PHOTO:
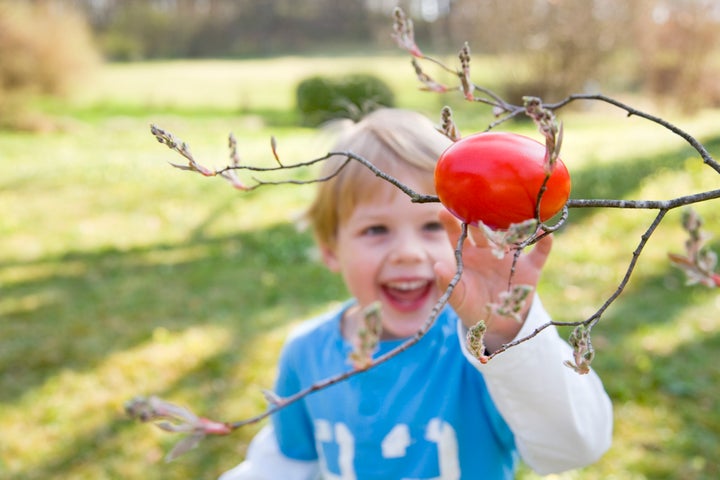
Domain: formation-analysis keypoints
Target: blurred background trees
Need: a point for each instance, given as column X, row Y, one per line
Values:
column 555, row 47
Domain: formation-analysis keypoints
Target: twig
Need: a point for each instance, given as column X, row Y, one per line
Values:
column 595, row 317
column 543, row 114
column 283, row 402
column 707, row 158
column 646, row 204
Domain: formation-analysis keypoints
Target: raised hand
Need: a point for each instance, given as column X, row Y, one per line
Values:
column 486, row 277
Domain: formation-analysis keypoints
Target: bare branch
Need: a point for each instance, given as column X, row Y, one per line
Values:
column 646, row 204
column 595, row 317
column 707, row 158
column 434, row 313
column 702, row 264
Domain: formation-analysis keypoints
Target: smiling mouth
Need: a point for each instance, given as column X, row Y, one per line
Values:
column 407, row 295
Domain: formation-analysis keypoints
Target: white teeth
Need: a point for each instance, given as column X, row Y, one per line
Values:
column 409, row 285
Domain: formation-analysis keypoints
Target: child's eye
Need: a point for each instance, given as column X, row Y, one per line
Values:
column 433, row 227
column 375, row 230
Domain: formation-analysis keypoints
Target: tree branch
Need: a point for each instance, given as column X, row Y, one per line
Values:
column 699, row 147
column 543, row 114
column 283, row 402
column 592, row 320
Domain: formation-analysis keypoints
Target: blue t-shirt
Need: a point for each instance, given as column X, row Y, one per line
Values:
column 424, row 414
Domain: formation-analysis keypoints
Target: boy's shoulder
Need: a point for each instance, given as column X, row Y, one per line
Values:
column 319, row 329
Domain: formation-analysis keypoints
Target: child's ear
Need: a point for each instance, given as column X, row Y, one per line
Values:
column 329, row 258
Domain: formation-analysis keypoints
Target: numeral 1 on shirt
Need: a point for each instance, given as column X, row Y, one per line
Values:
column 393, row 445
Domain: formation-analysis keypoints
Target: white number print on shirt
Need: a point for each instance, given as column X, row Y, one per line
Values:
column 394, row 445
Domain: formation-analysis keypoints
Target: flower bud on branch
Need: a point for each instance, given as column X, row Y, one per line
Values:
column 273, row 399
column 183, row 149
column 503, row 241
column 229, row 174
column 511, row 302
column 699, row 262
column 475, row 343
column 465, row 80
column 429, row 84
column 368, row 337
column 550, row 128
column 510, row 305
column 173, row 418
column 273, row 147
column 448, row 126
column 404, row 34
column 583, row 352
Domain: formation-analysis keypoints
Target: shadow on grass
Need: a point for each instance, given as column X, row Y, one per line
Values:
column 686, row 384
column 80, row 308
column 89, row 305
column 107, row 449
column 616, row 180
column 683, row 381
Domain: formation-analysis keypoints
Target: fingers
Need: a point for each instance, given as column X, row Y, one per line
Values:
column 540, row 252
column 451, row 225
column 536, row 257
column 453, row 228
column 477, row 237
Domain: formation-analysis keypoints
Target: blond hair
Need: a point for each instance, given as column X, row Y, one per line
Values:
column 398, row 142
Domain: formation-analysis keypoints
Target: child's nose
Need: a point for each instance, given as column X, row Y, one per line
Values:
column 407, row 249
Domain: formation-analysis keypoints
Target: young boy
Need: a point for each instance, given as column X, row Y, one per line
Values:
column 433, row 411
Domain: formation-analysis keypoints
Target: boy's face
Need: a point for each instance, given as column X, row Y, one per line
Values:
column 385, row 250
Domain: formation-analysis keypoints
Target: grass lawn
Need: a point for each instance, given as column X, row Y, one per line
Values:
column 121, row 276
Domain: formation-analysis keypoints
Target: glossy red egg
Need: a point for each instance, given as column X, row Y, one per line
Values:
column 495, row 177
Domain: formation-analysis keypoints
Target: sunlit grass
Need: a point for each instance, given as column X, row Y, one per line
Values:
column 263, row 85
column 71, row 400
column 120, row 275
column 656, row 344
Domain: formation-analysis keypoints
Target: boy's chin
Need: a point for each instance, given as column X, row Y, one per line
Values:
column 404, row 326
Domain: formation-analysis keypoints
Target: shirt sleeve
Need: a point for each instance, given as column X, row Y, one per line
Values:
column 561, row 420
column 283, row 449
column 292, row 424
column 264, row 461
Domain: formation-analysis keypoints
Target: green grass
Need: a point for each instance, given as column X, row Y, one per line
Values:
column 212, row 87
column 122, row 276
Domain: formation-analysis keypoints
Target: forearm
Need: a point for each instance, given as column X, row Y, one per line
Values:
column 561, row 420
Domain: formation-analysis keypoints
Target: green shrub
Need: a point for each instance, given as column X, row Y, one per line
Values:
column 321, row 98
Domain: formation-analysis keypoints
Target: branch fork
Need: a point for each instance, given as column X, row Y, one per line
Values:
column 698, row 262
